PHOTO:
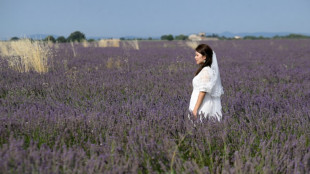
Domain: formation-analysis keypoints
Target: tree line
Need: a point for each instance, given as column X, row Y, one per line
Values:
column 290, row 36
column 78, row 36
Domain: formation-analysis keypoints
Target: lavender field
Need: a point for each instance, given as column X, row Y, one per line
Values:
column 122, row 110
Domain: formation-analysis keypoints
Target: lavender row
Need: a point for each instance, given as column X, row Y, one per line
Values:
column 119, row 110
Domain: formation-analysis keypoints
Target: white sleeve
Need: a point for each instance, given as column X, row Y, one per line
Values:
column 206, row 79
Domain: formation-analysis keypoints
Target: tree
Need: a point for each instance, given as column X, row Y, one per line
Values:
column 76, row 36
column 181, row 37
column 254, row 37
column 291, row 36
column 249, row 37
column 61, row 39
column 50, row 38
column 213, row 35
column 296, row 36
column 167, row 37
column 14, row 38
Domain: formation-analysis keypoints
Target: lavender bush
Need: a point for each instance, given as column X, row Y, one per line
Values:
column 120, row 110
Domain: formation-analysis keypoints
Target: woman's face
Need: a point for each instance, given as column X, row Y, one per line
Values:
column 199, row 58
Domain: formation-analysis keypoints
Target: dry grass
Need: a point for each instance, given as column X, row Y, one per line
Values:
column 117, row 64
column 50, row 43
column 56, row 45
column 108, row 43
column 192, row 44
column 114, row 63
column 73, row 49
column 109, row 63
column 131, row 44
column 4, row 48
column 85, row 43
column 25, row 55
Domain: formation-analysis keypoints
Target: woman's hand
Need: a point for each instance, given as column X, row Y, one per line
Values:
column 198, row 103
column 195, row 114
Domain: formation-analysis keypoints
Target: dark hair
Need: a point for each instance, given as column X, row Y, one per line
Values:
column 204, row 50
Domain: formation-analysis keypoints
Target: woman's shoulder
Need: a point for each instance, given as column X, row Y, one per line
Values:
column 206, row 68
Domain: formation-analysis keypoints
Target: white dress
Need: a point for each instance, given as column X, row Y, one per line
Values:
column 210, row 106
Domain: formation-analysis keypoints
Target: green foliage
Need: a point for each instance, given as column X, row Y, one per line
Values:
column 91, row 40
column 181, row 37
column 213, row 35
column 254, row 37
column 76, row 36
column 14, row 38
column 50, row 38
column 167, row 37
column 61, row 39
column 222, row 38
column 292, row 36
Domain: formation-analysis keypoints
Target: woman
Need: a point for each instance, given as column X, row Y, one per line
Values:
column 207, row 87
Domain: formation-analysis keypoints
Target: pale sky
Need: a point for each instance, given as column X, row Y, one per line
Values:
column 143, row 18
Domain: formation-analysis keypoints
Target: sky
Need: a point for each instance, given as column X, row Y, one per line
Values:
column 150, row 18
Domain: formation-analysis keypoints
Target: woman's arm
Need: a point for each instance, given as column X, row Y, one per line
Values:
column 198, row 103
